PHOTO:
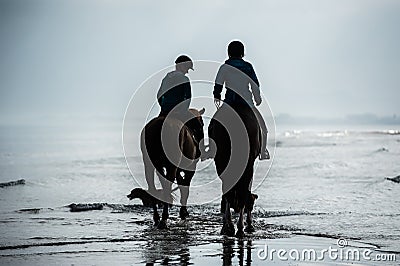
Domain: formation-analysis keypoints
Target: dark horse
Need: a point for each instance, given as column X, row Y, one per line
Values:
column 170, row 147
column 236, row 134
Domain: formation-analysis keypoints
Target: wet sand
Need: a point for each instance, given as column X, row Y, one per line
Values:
column 222, row 251
column 124, row 235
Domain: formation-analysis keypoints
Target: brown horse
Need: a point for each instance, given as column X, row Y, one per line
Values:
column 236, row 134
column 170, row 147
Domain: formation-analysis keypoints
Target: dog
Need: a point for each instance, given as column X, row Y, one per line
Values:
column 147, row 199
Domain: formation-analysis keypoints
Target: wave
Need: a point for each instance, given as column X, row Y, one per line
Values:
column 304, row 144
column 34, row 210
column 383, row 149
column 386, row 132
column 335, row 133
column 272, row 214
column 107, row 160
column 63, row 243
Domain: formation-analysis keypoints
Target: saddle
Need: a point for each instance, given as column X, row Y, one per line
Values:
column 185, row 116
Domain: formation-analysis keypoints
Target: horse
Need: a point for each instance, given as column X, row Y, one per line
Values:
column 170, row 147
column 237, row 138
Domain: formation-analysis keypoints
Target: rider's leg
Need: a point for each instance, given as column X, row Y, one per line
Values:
column 264, row 154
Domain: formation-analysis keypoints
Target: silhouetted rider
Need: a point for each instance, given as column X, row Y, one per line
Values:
column 241, row 85
column 175, row 90
column 175, row 95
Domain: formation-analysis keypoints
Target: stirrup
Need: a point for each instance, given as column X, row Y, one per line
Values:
column 206, row 154
column 264, row 155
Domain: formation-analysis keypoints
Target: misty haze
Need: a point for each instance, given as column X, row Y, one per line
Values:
column 79, row 80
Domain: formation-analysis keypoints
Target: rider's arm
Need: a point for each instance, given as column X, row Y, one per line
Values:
column 160, row 94
column 187, row 93
column 219, row 83
column 255, row 86
column 217, row 91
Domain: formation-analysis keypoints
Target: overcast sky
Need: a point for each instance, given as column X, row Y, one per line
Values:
column 313, row 58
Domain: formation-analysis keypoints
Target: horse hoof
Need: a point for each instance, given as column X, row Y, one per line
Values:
column 162, row 225
column 183, row 213
column 228, row 230
column 240, row 234
column 249, row 229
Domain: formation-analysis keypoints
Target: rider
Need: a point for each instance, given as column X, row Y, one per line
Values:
column 237, row 75
column 175, row 94
column 175, row 90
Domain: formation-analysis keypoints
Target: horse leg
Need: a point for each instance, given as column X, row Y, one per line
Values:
column 149, row 174
column 249, row 220
column 250, row 199
column 227, row 228
column 156, row 216
column 167, row 187
column 163, row 223
column 184, row 184
column 240, row 224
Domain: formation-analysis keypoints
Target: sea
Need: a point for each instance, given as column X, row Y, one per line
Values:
column 325, row 181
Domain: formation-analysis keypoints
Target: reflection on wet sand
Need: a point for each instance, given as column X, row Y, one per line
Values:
column 183, row 241
column 230, row 251
column 165, row 247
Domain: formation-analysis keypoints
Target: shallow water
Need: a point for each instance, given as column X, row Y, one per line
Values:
column 322, row 183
